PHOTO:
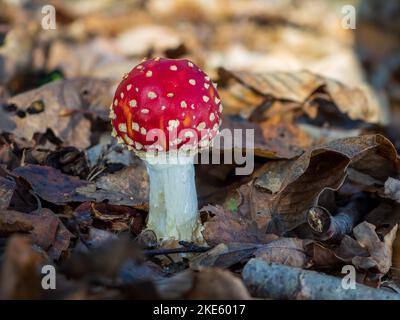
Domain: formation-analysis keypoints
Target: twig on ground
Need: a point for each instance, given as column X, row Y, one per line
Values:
column 187, row 248
column 269, row 280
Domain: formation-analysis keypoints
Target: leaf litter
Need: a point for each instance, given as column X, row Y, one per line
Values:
column 324, row 136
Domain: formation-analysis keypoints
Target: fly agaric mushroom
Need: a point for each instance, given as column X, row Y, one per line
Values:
column 165, row 110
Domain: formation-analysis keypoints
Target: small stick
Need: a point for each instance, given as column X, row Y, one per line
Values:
column 275, row 281
column 187, row 249
column 329, row 227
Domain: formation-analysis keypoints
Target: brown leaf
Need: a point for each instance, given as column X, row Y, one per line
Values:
column 226, row 227
column 64, row 103
column 322, row 256
column 208, row 258
column 131, row 183
column 380, row 252
column 21, row 200
column 7, row 188
column 224, row 255
column 299, row 86
column 282, row 140
column 58, row 188
column 20, row 274
column 284, row 86
column 61, row 242
column 12, row 221
column 323, row 167
column 52, row 185
column 41, row 226
column 210, row 283
column 349, row 248
column 118, row 218
column 287, row 251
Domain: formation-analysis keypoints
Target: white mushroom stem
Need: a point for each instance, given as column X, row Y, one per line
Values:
column 173, row 200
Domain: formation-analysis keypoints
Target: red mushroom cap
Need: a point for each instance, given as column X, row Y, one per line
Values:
column 172, row 97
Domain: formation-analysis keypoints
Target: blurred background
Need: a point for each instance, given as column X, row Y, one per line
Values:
column 105, row 38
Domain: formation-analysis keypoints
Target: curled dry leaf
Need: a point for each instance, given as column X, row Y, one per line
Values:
column 325, row 167
column 380, row 252
column 367, row 251
column 299, row 86
column 118, row 218
column 208, row 258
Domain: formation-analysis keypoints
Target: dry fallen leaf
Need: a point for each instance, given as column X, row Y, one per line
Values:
column 287, row 251
column 271, row 140
column 325, row 167
column 60, row 106
column 300, row 86
column 227, row 227
column 42, row 226
column 380, row 252
column 58, row 188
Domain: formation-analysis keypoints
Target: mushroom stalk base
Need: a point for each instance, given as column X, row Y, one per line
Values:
column 173, row 202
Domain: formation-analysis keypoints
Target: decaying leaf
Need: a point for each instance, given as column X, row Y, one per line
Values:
column 42, row 227
column 227, row 227
column 380, row 252
column 131, row 182
column 62, row 108
column 324, row 167
column 288, row 251
column 315, row 115
column 53, row 186
column 300, row 86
